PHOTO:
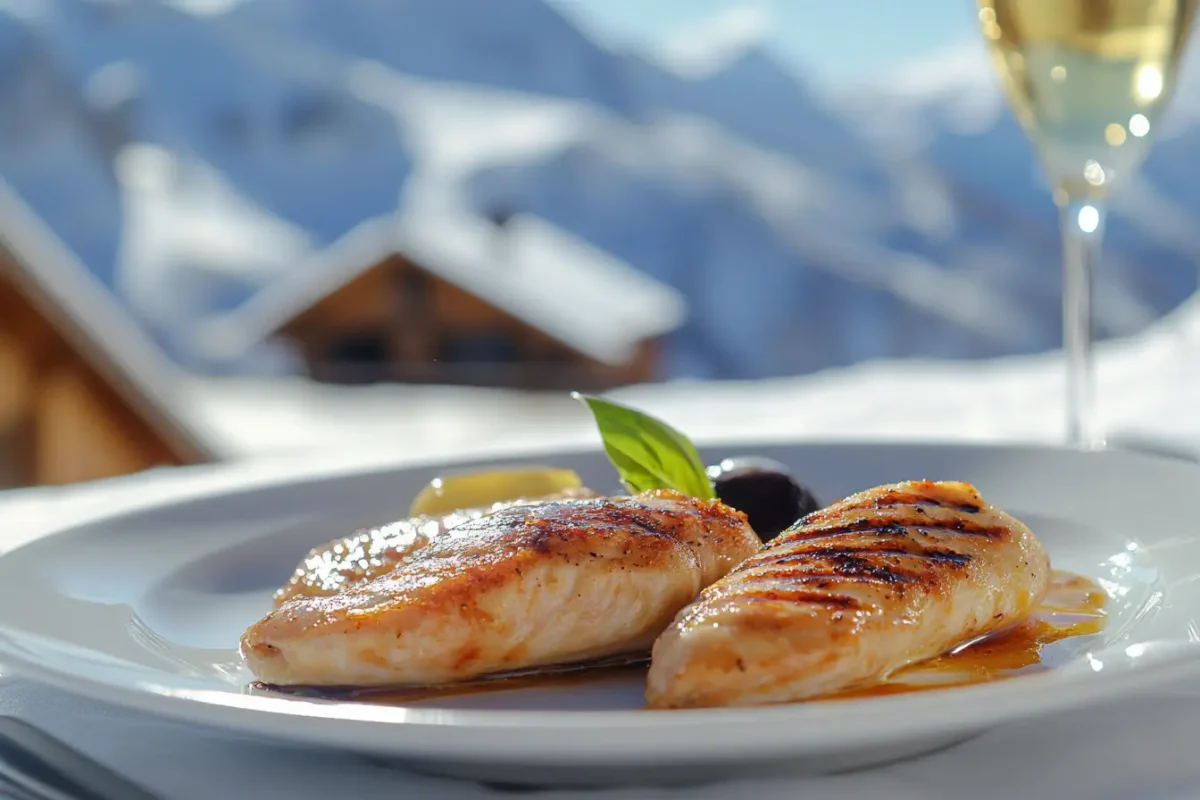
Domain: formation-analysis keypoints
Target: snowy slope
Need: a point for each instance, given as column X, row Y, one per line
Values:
column 772, row 253
column 753, row 238
column 514, row 44
column 49, row 151
column 757, row 99
column 944, row 123
column 280, row 126
column 1173, row 167
column 773, row 256
column 251, row 134
column 192, row 244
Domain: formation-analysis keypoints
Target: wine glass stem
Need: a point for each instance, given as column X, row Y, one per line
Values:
column 1082, row 233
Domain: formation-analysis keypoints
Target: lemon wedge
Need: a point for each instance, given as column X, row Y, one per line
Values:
column 449, row 493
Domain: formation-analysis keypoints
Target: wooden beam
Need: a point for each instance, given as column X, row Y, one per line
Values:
column 16, row 380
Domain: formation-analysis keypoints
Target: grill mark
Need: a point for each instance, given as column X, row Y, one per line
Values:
column 857, row 553
column 892, row 527
column 665, row 523
column 596, row 518
column 870, row 564
column 803, row 596
column 890, row 498
column 852, row 552
column 852, row 566
column 876, row 526
column 804, row 557
column 965, row 528
column 904, row 499
column 877, row 575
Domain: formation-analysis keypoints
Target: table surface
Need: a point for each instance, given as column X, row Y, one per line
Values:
column 1135, row 749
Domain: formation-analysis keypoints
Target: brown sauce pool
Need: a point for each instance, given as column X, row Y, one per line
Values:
column 1073, row 607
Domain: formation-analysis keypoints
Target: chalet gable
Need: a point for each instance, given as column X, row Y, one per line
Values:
column 550, row 280
column 71, row 356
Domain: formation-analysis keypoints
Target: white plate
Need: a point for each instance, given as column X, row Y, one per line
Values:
column 144, row 609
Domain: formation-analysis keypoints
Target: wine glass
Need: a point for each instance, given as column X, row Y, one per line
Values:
column 1088, row 80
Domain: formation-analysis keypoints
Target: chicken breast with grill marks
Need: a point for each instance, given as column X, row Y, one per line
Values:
column 365, row 555
column 885, row 578
column 527, row 586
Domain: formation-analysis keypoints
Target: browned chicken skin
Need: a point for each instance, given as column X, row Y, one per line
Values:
column 367, row 554
column 882, row 579
column 527, row 586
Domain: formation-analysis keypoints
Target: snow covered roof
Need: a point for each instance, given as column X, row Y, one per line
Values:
column 551, row 280
column 91, row 319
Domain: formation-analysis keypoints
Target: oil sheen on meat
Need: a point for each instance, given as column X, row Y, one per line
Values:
column 365, row 555
column 882, row 579
column 527, row 586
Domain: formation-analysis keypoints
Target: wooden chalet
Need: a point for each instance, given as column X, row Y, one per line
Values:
column 84, row 394
column 452, row 297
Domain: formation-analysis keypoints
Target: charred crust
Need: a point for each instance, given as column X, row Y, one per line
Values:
column 890, row 527
column 854, row 555
column 803, row 596
column 879, row 527
column 900, row 498
column 838, row 573
column 950, row 556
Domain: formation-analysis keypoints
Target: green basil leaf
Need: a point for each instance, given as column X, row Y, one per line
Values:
column 647, row 452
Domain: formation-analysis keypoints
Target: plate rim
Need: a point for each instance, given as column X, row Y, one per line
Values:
column 626, row 733
column 924, row 712
column 218, row 478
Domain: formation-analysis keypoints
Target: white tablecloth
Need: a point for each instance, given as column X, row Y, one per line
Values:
column 1143, row 749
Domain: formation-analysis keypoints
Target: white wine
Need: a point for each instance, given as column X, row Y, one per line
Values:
column 1088, row 79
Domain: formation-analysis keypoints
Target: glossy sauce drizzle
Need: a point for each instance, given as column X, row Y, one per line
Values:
column 1073, row 608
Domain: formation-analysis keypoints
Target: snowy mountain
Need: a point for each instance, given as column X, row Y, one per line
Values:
column 1172, row 166
column 276, row 120
column 514, row 44
column 945, row 125
column 773, row 258
column 52, row 150
column 192, row 159
column 278, row 127
column 757, row 99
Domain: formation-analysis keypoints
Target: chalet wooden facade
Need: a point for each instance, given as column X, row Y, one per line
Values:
column 466, row 301
column 396, row 322
column 77, row 400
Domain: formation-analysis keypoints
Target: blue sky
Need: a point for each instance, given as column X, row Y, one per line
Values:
column 832, row 38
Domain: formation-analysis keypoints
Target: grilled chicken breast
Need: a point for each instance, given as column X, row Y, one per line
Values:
column 367, row 554
column 882, row 579
column 524, row 587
